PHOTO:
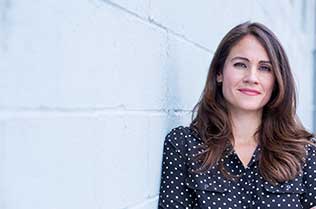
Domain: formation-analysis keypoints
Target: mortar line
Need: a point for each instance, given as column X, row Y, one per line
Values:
column 152, row 21
column 7, row 114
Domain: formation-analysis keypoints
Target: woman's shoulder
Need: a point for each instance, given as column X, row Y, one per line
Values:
column 311, row 146
column 183, row 138
column 310, row 152
column 182, row 134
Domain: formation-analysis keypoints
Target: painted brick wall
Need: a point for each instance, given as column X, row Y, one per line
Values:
column 89, row 89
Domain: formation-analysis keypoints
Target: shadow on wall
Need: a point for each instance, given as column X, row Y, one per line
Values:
column 4, row 10
column 173, row 96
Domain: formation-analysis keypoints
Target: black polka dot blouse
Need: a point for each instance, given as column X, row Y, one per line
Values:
column 180, row 188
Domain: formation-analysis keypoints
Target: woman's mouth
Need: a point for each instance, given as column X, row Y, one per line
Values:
column 249, row 92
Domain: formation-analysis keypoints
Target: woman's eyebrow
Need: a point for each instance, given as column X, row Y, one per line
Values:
column 265, row 61
column 247, row 60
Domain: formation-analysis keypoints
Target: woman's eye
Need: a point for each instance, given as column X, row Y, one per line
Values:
column 239, row 64
column 265, row 68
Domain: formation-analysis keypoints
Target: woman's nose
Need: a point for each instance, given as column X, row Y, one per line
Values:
column 251, row 77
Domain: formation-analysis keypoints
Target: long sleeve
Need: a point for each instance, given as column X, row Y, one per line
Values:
column 308, row 199
column 173, row 192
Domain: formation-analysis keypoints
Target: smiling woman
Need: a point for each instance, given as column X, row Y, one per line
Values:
column 245, row 147
column 247, row 79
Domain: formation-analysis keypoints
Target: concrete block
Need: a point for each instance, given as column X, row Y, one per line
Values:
column 99, row 57
column 2, row 159
column 147, row 204
column 122, row 174
column 50, row 163
column 158, row 127
column 156, row 133
column 128, row 58
column 74, row 163
column 190, row 18
column 139, row 7
column 187, row 67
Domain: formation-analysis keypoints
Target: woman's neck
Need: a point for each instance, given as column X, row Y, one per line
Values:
column 244, row 125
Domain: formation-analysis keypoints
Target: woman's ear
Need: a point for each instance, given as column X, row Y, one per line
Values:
column 219, row 77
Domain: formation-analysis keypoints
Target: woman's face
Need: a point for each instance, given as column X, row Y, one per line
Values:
column 247, row 78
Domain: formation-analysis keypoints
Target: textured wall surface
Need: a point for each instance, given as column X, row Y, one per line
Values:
column 89, row 89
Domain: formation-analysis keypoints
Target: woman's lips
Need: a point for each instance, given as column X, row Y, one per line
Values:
column 249, row 92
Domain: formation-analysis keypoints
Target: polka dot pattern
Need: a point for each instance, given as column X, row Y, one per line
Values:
column 181, row 188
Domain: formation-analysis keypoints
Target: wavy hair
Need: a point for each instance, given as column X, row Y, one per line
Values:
column 281, row 135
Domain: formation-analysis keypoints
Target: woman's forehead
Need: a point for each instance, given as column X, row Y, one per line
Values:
column 249, row 48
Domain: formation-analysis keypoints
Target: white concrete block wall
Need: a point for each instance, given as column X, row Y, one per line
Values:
column 90, row 88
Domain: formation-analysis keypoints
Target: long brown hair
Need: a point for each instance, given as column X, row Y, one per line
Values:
column 281, row 135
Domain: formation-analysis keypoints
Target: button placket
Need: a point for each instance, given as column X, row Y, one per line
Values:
column 249, row 175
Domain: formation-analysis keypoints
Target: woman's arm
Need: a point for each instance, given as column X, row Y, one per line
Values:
column 173, row 192
column 308, row 199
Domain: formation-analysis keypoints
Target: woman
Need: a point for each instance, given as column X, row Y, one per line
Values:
column 245, row 147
